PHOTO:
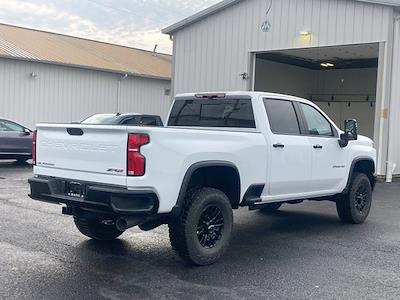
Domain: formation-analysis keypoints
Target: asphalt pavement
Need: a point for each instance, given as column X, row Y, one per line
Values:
column 300, row 252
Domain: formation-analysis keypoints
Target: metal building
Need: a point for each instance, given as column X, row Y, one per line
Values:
column 47, row 77
column 342, row 54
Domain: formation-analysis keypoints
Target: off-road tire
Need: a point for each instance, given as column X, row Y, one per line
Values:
column 271, row 207
column 97, row 230
column 184, row 230
column 350, row 208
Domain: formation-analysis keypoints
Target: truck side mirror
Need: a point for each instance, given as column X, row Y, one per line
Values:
column 350, row 133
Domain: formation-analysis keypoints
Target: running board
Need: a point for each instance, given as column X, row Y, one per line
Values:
column 250, row 202
column 258, row 206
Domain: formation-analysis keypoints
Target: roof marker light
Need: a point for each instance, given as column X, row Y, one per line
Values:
column 211, row 95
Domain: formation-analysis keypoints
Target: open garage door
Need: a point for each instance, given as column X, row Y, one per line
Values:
column 342, row 80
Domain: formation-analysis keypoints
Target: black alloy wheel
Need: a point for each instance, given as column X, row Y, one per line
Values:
column 210, row 227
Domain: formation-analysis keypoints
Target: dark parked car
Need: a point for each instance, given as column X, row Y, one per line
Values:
column 15, row 141
column 124, row 119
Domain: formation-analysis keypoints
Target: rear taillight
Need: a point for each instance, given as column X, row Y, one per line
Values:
column 34, row 138
column 136, row 161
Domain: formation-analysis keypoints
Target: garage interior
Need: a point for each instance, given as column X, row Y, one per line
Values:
column 341, row 80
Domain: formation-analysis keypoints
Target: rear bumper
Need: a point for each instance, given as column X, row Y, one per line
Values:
column 104, row 198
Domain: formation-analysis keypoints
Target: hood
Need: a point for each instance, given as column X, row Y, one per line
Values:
column 363, row 141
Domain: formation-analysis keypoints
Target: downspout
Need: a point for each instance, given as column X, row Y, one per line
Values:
column 391, row 165
column 119, row 91
column 172, row 39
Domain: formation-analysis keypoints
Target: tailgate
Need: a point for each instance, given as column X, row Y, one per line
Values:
column 85, row 149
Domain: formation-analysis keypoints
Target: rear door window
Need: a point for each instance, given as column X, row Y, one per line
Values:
column 131, row 121
column 101, row 119
column 148, row 121
column 282, row 117
column 213, row 113
column 141, row 121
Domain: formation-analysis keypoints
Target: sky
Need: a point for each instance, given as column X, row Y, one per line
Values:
column 135, row 23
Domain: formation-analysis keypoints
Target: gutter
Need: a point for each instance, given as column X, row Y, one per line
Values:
column 391, row 165
column 55, row 63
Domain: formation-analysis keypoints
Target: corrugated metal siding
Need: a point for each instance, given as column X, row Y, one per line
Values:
column 65, row 94
column 145, row 96
column 211, row 53
column 394, row 137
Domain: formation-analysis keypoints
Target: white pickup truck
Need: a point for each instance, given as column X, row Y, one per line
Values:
column 218, row 152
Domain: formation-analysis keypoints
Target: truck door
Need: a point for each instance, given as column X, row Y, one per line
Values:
column 328, row 158
column 289, row 167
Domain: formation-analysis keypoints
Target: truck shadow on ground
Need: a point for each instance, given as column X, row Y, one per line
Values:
column 123, row 269
column 263, row 232
column 12, row 165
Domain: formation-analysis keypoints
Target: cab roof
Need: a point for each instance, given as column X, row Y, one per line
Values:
column 243, row 93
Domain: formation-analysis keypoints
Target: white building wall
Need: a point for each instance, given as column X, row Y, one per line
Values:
column 302, row 82
column 283, row 78
column 211, row 53
column 394, row 116
column 145, row 96
column 66, row 94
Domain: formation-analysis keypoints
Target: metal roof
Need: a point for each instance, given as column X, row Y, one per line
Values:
column 227, row 3
column 34, row 45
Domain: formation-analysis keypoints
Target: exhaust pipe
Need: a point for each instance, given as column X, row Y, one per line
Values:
column 125, row 223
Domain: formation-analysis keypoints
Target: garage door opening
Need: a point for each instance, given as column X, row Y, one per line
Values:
column 341, row 80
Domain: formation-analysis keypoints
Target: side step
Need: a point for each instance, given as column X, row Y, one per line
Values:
column 256, row 206
column 251, row 202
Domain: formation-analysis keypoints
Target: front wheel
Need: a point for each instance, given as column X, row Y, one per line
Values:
column 95, row 229
column 202, row 233
column 354, row 207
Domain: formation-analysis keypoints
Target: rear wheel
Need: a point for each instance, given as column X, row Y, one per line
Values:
column 95, row 229
column 354, row 207
column 271, row 207
column 202, row 233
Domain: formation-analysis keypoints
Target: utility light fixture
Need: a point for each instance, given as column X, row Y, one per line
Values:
column 327, row 65
column 305, row 33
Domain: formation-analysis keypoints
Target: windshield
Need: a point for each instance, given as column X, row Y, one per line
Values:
column 101, row 119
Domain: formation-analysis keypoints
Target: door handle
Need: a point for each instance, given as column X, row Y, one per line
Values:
column 318, row 147
column 279, row 145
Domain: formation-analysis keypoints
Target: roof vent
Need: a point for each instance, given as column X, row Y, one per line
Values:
column 155, row 50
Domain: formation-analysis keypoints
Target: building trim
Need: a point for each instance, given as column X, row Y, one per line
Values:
column 199, row 16
column 48, row 62
column 227, row 3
